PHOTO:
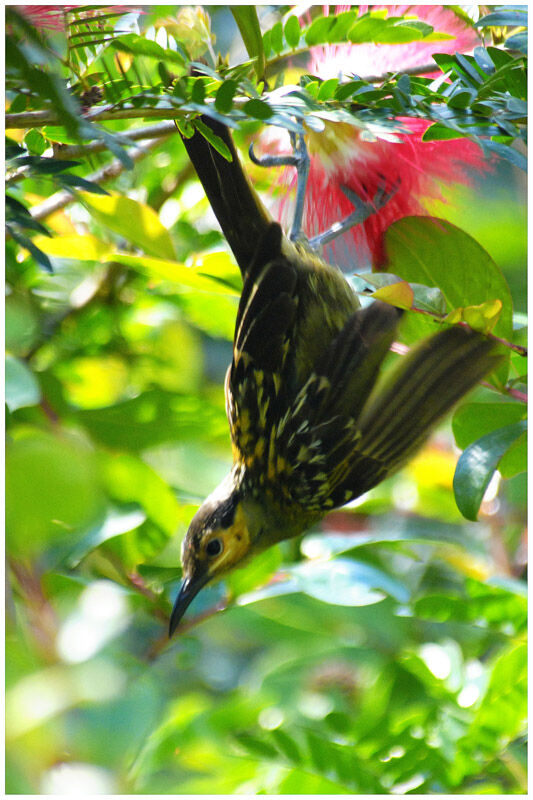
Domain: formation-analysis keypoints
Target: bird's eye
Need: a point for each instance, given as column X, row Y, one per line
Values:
column 214, row 547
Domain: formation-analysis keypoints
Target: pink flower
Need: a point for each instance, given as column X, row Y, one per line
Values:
column 52, row 17
column 44, row 17
column 342, row 156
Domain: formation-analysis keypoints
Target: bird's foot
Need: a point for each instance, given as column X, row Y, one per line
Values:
column 300, row 160
column 363, row 210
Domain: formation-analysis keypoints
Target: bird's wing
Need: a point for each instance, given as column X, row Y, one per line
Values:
column 319, row 433
column 354, row 452
column 289, row 426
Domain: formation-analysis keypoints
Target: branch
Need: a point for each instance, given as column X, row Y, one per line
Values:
column 67, row 151
column 36, row 119
column 159, row 131
column 518, row 348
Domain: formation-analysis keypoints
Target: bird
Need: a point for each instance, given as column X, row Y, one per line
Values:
column 313, row 421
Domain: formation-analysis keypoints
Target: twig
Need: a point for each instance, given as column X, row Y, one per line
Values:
column 137, row 583
column 41, row 616
column 518, row 348
column 420, row 70
column 158, row 131
column 36, row 119
column 516, row 393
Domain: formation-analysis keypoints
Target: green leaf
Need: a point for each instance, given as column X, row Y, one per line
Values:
column 26, row 242
column 317, row 32
column 214, row 140
column 136, row 222
column 477, row 465
column 317, row 752
column 113, row 142
column 257, row 573
column 403, row 32
column 224, row 97
column 21, row 386
column 327, row 89
column 473, row 420
column 198, row 90
column 503, row 710
column 435, row 253
column 276, row 37
column 257, row 109
column 439, row 132
column 292, row 32
column 286, row 745
column 196, row 278
column 509, row 153
column 343, row 23
column 518, row 41
column 116, row 523
column 514, row 460
column 343, row 582
column 154, row 417
column 23, row 328
column 250, row 30
column 52, row 491
column 82, row 247
column 257, row 747
column 366, row 29
column 35, row 141
column 45, row 166
column 484, row 60
column 140, row 46
column 129, row 480
column 503, row 19
column 81, row 183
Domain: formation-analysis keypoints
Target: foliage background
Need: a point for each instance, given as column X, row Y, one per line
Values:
column 383, row 653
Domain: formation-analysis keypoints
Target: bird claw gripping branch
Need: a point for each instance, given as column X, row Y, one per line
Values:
column 301, row 161
column 313, row 424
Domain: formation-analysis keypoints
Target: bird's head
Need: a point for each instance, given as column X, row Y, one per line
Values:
column 219, row 538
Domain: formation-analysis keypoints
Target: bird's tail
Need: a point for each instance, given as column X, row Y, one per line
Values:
column 239, row 211
column 402, row 411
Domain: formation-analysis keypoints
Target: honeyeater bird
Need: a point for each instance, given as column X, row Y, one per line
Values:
column 311, row 425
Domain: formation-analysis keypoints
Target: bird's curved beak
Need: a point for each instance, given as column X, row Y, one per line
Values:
column 188, row 591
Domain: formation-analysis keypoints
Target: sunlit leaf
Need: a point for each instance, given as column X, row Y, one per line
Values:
column 173, row 271
column 136, row 222
column 397, row 294
column 83, row 247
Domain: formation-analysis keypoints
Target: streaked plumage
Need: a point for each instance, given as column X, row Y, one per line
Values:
column 310, row 424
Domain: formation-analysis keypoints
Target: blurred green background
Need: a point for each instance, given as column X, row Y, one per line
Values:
column 387, row 655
